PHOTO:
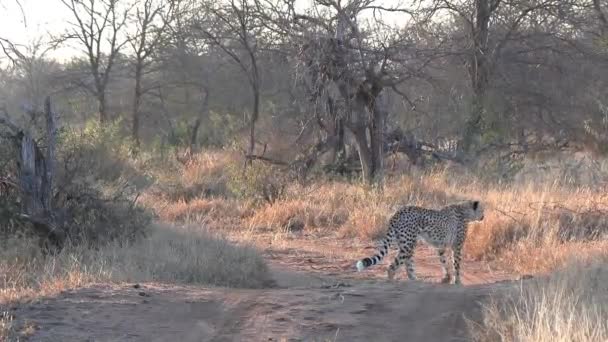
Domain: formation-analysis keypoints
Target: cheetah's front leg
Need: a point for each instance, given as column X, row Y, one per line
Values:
column 409, row 266
column 457, row 249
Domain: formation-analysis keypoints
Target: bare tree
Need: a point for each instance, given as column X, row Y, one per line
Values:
column 186, row 65
column 8, row 48
column 235, row 28
column 490, row 27
column 35, row 73
column 97, row 27
column 151, row 19
column 349, row 65
column 6, row 45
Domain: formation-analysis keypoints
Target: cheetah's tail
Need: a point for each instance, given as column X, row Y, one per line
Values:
column 382, row 251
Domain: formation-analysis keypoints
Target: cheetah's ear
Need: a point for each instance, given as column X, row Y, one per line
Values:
column 475, row 205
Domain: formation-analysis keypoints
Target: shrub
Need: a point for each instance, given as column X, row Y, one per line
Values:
column 95, row 188
column 258, row 181
column 97, row 151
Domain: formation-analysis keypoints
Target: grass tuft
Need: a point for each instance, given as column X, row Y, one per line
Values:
column 568, row 306
column 168, row 254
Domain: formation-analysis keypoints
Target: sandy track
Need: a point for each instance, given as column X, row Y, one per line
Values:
column 316, row 299
column 313, row 308
column 363, row 312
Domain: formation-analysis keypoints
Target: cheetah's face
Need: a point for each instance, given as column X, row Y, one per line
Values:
column 474, row 211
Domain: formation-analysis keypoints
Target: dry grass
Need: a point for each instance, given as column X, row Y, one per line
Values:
column 528, row 227
column 204, row 175
column 12, row 331
column 531, row 227
column 568, row 306
column 295, row 215
column 167, row 254
column 205, row 211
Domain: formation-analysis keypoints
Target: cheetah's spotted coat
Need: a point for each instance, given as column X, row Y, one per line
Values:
column 444, row 228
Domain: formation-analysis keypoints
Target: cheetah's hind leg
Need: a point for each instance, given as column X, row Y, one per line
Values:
column 444, row 266
column 404, row 257
column 392, row 269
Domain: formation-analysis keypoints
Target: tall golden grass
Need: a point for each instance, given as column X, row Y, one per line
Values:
column 568, row 306
column 528, row 227
column 167, row 254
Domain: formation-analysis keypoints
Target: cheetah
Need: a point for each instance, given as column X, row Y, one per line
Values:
column 442, row 229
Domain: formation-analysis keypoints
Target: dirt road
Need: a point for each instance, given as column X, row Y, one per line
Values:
column 306, row 306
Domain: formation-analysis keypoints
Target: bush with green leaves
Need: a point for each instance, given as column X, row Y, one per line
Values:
column 258, row 181
column 95, row 186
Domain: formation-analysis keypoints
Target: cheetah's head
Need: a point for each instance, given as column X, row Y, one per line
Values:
column 473, row 211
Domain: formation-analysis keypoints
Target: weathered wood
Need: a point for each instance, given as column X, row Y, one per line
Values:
column 32, row 174
column 35, row 176
column 51, row 140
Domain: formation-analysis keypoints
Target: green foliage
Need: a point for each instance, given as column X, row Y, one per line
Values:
column 10, row 221
column 258, row 181
column 102, row 152
column 216, row 130
column 97, row 138
column 97, row 184
column 180, row 135
column 10, row 205
column 161, row 149
column 602, row 42
column 497, row 125
column 96, row 218
column 95, row 187
column 219, row 129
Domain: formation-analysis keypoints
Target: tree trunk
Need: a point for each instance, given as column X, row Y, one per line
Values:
column 340, row 147
column 336, row 131
column 365, row 154
column 32, row 177
column 474, row 124
column 479, row 71
column 101, row 98
column 197, row 123
column 379, row 112
column 136, row 104
column 254, row 118
column 51, row 134
column 36, row 178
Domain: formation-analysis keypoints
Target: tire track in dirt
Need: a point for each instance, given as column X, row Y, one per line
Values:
column 327, row 309
column 316, row 299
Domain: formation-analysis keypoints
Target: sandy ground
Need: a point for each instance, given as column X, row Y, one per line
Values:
column 315, row 300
